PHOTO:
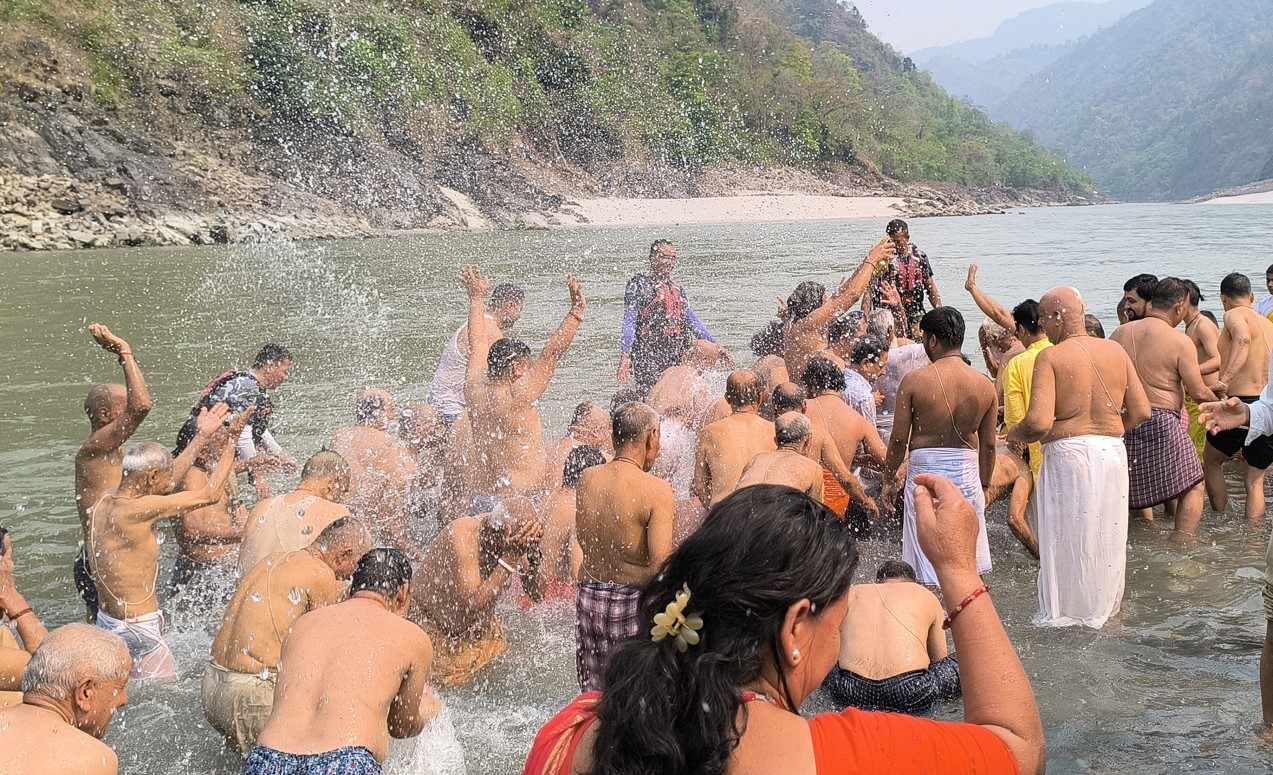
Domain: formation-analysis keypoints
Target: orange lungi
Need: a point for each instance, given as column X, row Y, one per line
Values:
column 833, row 495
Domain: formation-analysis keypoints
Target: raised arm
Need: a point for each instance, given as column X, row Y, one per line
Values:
column 112, row 436
column 156, row 508
column 1041, row 415
column 15, row 606
column 476, row 286
column 850, row 290
column 199, row 525
column 997, row 693
column 1240, row 337
column 206, row 424
column 992, row 309
column 531, row 387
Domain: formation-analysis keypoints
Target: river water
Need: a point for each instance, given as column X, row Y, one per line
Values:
column 1173, row 688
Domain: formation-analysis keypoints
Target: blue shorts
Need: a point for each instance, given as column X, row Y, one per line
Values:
column 351, row 760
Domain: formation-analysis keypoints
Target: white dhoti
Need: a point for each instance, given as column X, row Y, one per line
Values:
column 961, row 467
column 1082, row 532
column 144, row 637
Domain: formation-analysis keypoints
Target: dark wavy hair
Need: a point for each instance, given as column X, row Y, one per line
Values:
column 806, row 298
column 758, row 552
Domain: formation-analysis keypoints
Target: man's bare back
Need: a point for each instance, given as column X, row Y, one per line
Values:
column 681, row 393
column 382, row 474
column 724, row 449
column 1245, row 350
column 1164, row 358
column 561, row 553
column 624, row 522
column 786, row 467
column 1087, row 382
column 834, row 420
column 891, row 628
column 286, row 523
column 946, row 404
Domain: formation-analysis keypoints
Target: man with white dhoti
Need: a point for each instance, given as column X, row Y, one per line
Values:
column 946, row 414
column 1085, row 394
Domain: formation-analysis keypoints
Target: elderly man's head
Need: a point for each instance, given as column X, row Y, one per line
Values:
column 83, row 671
column 147, row 468
column 105, row 403
column 590, row 424
column 374, row 408
column 1061, row 313
column 793, row 430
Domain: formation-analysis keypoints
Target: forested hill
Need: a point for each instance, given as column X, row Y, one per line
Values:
column 370, row 104
column 1174, row 101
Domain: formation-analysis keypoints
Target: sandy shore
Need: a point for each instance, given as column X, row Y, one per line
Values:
column 1264, row 198
column 747, row 208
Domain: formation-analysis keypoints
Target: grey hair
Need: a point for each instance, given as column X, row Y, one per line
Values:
column 147, row 456
column 71, row 655
column 994, row 332
column 791, row 428
column 881, row 325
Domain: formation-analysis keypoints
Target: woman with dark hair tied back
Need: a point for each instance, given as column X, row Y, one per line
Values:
column 742, row 624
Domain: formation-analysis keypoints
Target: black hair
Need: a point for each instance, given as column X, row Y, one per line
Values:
column 744, row 388
column 621, row 397
column 506, row 293
column 658, row 243
column 868, row 348
column 1026, row 315
column 768, row 340
column 1093, row 326
column 1209, row 315
column 663, row 711
column 503, row 354
column 581, row 457
column 846, row 327
column 895, row 569
column 271, row 355
column 896, row 226
column 806, row 298
column 383, row 569
column 581, row 411
column 787, row 397
column 822, row 374
column 1168, row 292
column 1143, row 284
column 946, row 324
column 631, row 421
column 1195, row 293
column 1235, row 286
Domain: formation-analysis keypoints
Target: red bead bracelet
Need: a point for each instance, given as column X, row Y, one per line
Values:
column 967, row 601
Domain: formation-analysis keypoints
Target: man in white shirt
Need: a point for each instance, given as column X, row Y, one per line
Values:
column 1265, row 306
column 446, row 391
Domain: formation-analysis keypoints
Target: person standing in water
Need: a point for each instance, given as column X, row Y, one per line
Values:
column 909, row 274
column 657, row 321
column 790, row 464
column 446, row 391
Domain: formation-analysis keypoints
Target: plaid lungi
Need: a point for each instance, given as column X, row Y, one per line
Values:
column 605, row 615
column 1162, row 462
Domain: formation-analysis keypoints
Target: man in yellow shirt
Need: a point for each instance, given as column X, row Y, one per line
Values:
column 1019, row 373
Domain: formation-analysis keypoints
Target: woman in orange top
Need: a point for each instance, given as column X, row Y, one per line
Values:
column 745, row 620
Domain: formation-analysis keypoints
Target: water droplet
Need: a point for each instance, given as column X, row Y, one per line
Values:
column 160, row 538
column 294, row 596
column 256, row 597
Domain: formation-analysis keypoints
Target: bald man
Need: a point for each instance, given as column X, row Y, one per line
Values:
column 238, row 683
column 382, row 471
column 726, row 446
column 465, row 572
column 292, row 521
column 1085, row 394
column 75, row 682
column 624, row 520
column 682, row 392
column 822, row 449
column 789, row 464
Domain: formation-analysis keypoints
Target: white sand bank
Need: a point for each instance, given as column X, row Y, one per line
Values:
column 1264, row 198
column 758, row 208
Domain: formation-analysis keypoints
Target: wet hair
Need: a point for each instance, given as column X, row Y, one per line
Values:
column 868, row 348
column 744, row 388
column 324, row 464
column 146, row 456
column 582, row 411
column 807, row 297
column 896, row 226
column 1143, row 284
column 822, row 374
column 631, row 422
column 658, row 243
column 791, row 428
column 895, row 569
column 1195, row 293
column 768, row 340
column 881, row 325
column 71, row 655
column 272, row 355
column 1026, row 315
column 383, row 569
column 505, row 294
column 1093, row 326
column 372, row 404
column 993, row 332
column 1235, row 286
column 946, row 324
column 621, row 397
column 1168, row 292
column 788, row 397
column 344, row 532
column 846, row 327
column 580, row 458
column 503, row 354
column 1209, row 315
column 671, row 712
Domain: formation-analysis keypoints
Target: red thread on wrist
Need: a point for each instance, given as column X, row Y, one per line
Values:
column 22, row 613
column 967, row 601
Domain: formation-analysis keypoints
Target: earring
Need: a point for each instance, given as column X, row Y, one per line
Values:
column 795, row 655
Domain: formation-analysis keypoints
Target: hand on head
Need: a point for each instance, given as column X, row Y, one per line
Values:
column 474, row 282
column 106, row 339
column 946, row 525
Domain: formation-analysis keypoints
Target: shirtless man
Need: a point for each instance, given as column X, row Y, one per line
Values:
column 446, row 391
column 1085, row 394
column 114, row 414
column 351, row 676
column 123, row 547
column 682, row 392
column 589, row 427
column 893, row 654
column 420, row 428
column 788, row 465
column 238, row 683
column 1162, row 462
column 1246, row 346
column 208, row 538
column 559, row 547
column 292, row 521
column 727, row 445
column 624, row 523
column 1205, row 335
column 16, row 613
column 382, row 472
column 848, row 430
column 75, row 682
column 465, row 572
column 810, row 313
column 503, row 387
column 789, row 397
column 947, row 414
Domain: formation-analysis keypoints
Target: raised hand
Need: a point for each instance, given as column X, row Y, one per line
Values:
column 239, row 423
column 946, row 524
column 109, row 342
column 846, row 286
column 889, row 295
column 971, row 282
column 577, row 300
column 209, row 420
column 475, row 283
column 1224, row 415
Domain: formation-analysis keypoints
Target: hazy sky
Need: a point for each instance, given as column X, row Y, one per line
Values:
column 909, row 25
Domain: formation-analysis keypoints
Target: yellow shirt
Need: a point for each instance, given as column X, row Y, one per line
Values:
column 1018, row 376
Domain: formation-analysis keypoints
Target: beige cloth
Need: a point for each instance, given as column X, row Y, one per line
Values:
column 237, row 704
